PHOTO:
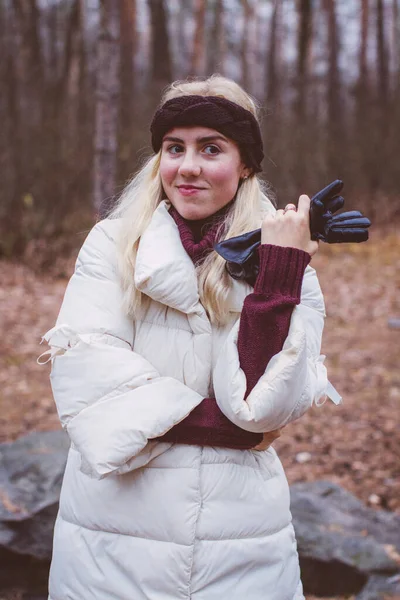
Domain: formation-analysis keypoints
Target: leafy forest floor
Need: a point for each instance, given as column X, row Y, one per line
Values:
column 356, row 444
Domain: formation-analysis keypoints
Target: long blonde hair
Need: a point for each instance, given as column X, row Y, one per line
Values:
column 143, row 194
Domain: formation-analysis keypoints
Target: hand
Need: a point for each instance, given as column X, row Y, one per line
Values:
column 290, row 227
column 268, row 438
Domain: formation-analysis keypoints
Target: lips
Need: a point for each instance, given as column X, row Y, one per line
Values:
column 189, row 187
column 189, row 190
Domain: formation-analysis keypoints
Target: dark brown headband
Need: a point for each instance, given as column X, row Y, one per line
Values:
column 225, row 116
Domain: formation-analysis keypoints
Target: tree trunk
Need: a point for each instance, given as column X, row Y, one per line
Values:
column 363, row 106
column 272, row 80
column 107, row 100
column 301, row 161
column 334, row 128
column 126, row 121
column 71, row 81
column 396, row 55
column 197, row 61
column 161, row 67
column 216, row 45
column 382, row 56
column 303, row 54
column 363, row 68
column 247, row 15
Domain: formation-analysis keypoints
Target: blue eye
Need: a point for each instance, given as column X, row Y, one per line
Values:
column 175, row 149
column 211, row 149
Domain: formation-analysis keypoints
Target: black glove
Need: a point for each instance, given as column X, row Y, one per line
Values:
column 241, row 254
column 347, row 227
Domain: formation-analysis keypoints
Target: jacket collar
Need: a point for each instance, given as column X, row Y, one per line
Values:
column 165, row 272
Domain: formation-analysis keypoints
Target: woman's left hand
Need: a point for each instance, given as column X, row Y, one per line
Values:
column 290, row 227
column 268, row 438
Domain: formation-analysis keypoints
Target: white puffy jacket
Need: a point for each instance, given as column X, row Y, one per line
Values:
column 144, row 520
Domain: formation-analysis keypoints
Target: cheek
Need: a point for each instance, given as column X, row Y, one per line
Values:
column 226, row 174
column 167, row 172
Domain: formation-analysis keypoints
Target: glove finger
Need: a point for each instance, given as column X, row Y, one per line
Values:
column 247, row 272
column 239, row 248
column 341, row 236
column 347, row 215
column 334, row 204
column 328, row 192
column 235, row 271
column 317, row 235
column 352, row 221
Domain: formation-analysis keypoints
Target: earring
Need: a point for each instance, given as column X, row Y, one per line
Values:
column 245, row 177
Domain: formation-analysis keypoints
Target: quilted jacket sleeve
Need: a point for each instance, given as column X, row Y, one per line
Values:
column 110, row 400
column 293, row 379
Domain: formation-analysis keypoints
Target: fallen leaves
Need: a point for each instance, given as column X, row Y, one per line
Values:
column 356, row 444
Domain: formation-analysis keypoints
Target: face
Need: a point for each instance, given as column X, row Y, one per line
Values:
column 200, row 170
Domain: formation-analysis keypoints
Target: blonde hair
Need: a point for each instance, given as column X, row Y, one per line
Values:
column 143, row 194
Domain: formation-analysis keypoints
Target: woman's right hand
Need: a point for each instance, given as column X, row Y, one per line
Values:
column 267, row 440
column 290, row 227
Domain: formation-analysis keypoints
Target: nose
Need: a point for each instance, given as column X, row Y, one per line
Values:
column 189, row 166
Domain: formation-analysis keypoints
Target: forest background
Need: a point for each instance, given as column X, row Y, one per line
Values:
column 80, row 80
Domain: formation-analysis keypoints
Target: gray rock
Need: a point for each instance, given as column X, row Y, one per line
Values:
column 345, row 547
column 381, row 588
column 394, row 323
column 341, row 542
column 31, row 472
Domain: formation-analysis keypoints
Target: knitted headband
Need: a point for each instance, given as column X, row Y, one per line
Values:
column 225, row 116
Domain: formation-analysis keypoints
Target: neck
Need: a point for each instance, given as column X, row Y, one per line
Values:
column 199, row 227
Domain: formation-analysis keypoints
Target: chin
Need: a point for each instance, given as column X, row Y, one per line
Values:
column 191, row 212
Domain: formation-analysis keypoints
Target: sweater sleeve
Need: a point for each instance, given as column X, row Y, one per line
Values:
column 264, row 325
column 206, row 425
column 266, row 314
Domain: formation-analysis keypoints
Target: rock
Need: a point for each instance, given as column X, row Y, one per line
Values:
column 394, row 322
column 303, row 457
column 381, row 588
column 345, row 547
column 341, row 542
column 31, row 472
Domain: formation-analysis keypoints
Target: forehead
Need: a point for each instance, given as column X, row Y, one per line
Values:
column 195, row 133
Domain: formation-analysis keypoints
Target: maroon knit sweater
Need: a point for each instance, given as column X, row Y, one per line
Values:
column 264, row 326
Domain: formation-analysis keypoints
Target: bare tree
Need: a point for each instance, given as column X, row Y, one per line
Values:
column 197, row 60
column 107, row 100
column 161, row 65
column 334, row 125
column 396, row 54
column 216, row 48
column 127, row 98
column 300, row 161
column 382, row 62
column 272, row 79
column 362, row 134
column 73, row 63
column 247, row 15
column 304, row 37
column 363, row 68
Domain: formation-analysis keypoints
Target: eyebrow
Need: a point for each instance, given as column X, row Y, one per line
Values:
column 201, row 140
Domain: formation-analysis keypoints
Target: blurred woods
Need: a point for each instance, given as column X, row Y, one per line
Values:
column 81, row 79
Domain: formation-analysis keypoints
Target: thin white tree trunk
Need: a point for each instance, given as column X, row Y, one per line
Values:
column 107, row 102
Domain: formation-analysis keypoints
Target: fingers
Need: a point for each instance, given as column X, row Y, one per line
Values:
column 304, row 205
column 290, row 207
column 329, row 191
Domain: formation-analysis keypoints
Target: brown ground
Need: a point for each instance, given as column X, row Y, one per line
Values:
column 355, row 444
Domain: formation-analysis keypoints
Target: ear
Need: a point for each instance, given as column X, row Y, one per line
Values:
column 245, row 174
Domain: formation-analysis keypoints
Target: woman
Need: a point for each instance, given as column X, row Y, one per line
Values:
column 172, row 379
